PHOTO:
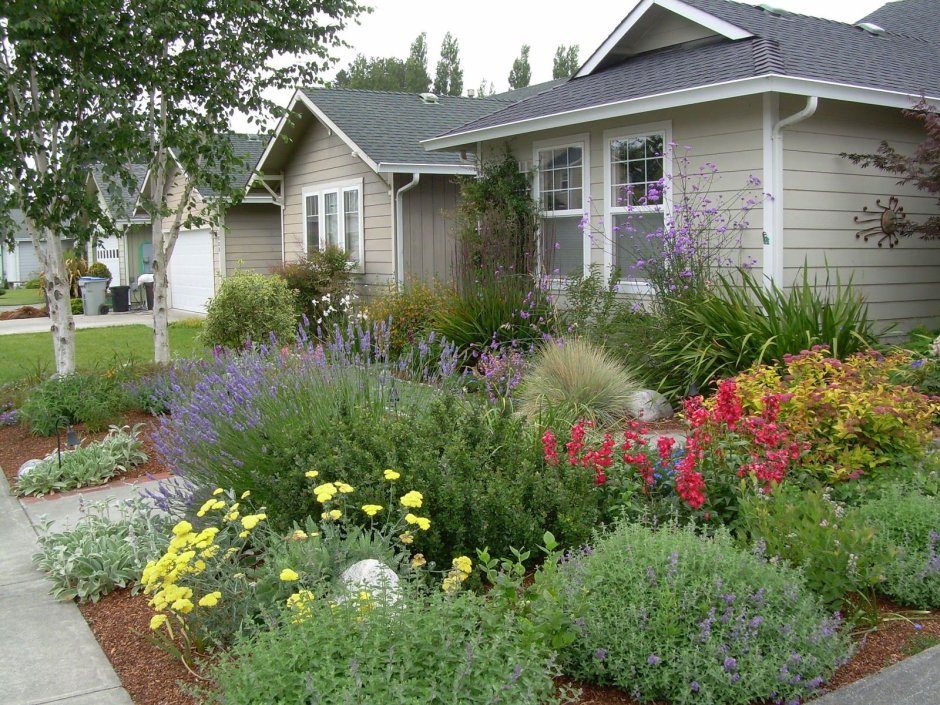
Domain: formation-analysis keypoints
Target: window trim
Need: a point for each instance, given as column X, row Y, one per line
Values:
column 339, row 188
column 632, row 286
column 582, row 140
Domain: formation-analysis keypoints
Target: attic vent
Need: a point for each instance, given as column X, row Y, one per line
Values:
column 871, row 28
column 429, row 99
column 771, row 10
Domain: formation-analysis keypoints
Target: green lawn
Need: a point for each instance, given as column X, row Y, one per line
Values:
column 22, row 297
column 26, row 354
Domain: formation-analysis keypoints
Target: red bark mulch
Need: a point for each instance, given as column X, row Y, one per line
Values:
column 23, row 312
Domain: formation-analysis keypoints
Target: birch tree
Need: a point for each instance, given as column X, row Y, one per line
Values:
column 65, row 101
column 201, row 63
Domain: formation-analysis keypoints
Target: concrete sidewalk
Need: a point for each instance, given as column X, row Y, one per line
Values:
column 131, row 318
column 48, row 653
column 914, row 681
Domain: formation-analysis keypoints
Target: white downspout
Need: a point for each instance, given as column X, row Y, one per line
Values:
column 773, row 182
column 399, row 228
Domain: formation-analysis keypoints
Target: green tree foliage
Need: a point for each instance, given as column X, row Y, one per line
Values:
column 521, row 74
column 389, row 73
column 921, row 167
column 566, row 61
column 486, row 89
column 448, row 76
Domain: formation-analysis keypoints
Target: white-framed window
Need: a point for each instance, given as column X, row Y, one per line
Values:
column 636, row 173
column 562, row 179
column 333, row 216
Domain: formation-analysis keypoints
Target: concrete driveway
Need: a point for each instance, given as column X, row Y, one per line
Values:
column 41, row 325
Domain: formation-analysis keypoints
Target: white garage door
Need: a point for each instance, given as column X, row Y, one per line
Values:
column 192, row 281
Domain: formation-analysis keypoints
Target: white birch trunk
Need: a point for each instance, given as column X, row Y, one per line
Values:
column 161, row 313
column 48, row 247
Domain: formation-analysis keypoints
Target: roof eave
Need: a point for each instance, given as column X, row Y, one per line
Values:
column 418, row 168
column 693, row 14
column 687, row 96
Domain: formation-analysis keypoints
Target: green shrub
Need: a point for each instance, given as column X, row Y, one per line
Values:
column 740, row 323
column 77, row 306
column 669, row 615
column 481, row 470
column 833, row 545
column 101, row 553
column 86, row 466
column 574, row 380
column 909, row 523
column 32, row 284
column 318, row 274
column 438, row 650
column 92, row 399
column 99, row 269
column 410, row 311
column 506, row 309
column 250, row 307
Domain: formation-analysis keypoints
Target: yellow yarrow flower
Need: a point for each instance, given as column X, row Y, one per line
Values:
column 325, row 492
column 288, row 575
column 183, row 528
column 210, row 600
column 232, row 514
column 243, row 534
column 463, row 564
column 406, row 538
column 391, row 475
column 311, row 474
column 422, row 523
column 157, row 621
column 450, row 584
column 217, row 491
column 418, row 560
column 183, row 605
column 412, row 499
column 251, row 520
column 298, row 535
column 332, row 515
column 344, row 488
column 372, row 509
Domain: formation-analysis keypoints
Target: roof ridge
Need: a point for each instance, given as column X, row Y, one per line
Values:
column 767, row 56
column 404, row 93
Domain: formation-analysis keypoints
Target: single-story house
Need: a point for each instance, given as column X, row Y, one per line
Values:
column 126, row 256
column 348, row 169
column 248, row 236
column 21, row 264
column 756, row 91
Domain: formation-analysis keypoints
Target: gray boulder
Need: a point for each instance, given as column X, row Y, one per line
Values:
column 650, row 405
column 370, row 576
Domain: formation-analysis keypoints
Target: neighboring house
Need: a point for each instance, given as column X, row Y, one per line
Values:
column 348, row 169
column 757, row 91
column 248, row 236
column 22, row 263
column 127, row 255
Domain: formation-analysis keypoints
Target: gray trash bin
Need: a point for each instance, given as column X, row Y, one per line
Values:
column 93, row 294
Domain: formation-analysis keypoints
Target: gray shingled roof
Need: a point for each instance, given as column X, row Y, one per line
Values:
column 914, row 18
column 120, row 200
column 787, row 44
column 249, row 148
column 389, row 126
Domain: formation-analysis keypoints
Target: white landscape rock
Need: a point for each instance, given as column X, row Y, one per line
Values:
column 650, row 405
column 374, row 577
column 27, row 466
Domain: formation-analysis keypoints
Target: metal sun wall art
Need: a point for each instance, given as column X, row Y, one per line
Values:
column 891, row 223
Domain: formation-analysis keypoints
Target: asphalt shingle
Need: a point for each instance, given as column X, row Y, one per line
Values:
column 784, row 43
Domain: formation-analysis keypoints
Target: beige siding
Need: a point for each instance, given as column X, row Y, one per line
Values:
column 824, row 192
column 175, row 187
column 726, row 133
column 428, row 226
column 320, row 157
column 662, row 28
column 252, row 238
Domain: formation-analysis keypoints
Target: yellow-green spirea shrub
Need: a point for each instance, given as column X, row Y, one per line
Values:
column 250, row 307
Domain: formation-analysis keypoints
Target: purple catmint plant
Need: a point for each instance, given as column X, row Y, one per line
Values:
column 501, row 371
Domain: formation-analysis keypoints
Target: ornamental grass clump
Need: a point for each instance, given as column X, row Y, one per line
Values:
column 670, row 615
column 576, row 379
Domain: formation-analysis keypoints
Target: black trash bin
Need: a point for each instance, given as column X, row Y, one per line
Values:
column 120, row 298
column 148, row 287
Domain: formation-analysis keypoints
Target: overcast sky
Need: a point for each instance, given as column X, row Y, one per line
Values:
column 491, row 32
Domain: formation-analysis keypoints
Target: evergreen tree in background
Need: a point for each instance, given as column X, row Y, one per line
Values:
column 389, row 73
column 448, row 76
column 417, row 79
column 566, row 61
column 521, row 74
